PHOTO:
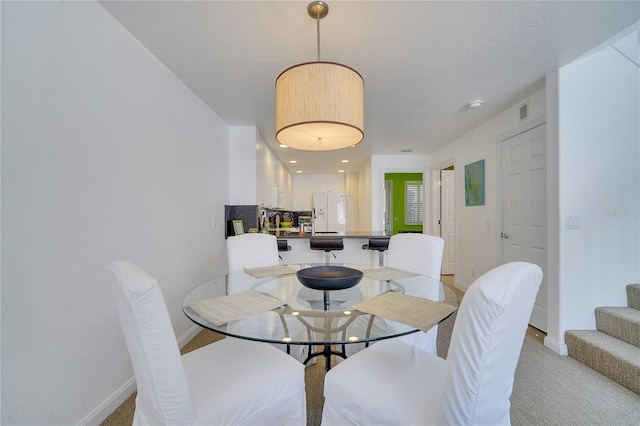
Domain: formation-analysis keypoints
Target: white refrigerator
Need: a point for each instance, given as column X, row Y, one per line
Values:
column 329, row 212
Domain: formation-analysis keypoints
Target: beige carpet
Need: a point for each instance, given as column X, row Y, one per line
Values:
column 548, row 389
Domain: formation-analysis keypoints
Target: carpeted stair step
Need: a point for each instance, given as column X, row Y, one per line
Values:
column 633, row 296
column 618, row 360
column 620, row 322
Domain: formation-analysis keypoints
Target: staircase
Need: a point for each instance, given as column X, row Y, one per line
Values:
column 613, row 349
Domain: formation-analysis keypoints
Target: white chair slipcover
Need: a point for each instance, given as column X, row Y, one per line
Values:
column 420, row 254
column 394, row 383
column 248, row 251
column 229, row 382
column 252, row 251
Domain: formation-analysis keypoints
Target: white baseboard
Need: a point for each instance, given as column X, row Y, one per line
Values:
column 116, row 399
column 557, row 347
column 190, row 334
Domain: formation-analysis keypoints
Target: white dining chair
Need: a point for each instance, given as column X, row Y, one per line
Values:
column 395, row 383
column 252, row 251
column 227, row 382
column 247, row 251
column 420, row 254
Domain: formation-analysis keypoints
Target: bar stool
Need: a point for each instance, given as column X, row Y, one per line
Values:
column 326, row 244
column 283, row 245
column 381, row 244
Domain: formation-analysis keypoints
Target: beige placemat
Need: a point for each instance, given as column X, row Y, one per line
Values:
column 411, row 310
column 270, row 271
column 235, row 306
column 386, row 274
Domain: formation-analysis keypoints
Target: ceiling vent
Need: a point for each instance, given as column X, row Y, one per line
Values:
column 524, row 111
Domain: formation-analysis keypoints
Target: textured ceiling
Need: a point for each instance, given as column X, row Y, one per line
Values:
column 422, row 61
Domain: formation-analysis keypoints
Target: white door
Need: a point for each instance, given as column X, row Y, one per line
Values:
column 524, row 208
column 448, row 221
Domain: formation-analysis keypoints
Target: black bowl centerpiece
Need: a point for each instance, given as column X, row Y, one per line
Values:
column 329, row 277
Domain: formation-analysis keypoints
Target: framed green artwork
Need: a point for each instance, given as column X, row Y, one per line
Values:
column 238, row 227
column 474, row 184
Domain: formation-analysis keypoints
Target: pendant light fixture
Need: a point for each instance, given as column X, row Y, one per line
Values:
column 319, row 105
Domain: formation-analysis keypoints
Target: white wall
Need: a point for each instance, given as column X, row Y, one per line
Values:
column 553, row 224
column 105, row 155
column 364, row 197
column 593, row 172
column 0, row 226
column 599, row 181
column 478, row 229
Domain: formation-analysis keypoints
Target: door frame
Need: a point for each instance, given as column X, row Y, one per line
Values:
column 395, row 194
column 435, row 203
column 388, row 206
column 447, row 212
column 377, row 188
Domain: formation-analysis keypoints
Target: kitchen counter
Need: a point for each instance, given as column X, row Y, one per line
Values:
column 299, row 250
column 293, row 234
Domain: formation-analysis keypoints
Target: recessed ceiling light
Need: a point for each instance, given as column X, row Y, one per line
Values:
column 298, row 171
column 345, row 161
column 474, row 104
column 293, row 161
column 340, row 171
column 283, row 146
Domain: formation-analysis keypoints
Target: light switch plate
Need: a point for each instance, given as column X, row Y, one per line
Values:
column 572, row 222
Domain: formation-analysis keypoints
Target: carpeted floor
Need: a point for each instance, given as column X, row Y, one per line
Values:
column 548, row 389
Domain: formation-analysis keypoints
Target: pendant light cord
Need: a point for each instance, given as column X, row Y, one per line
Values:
column 318, row 33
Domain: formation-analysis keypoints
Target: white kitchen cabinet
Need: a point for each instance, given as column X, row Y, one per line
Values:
column 320, row 183
column 265, row 177
column 336, row 183
column 305, row 185
column 352, row 213
column 283, row 185
column 351, row 184
column 273, row 181
column 302, row 193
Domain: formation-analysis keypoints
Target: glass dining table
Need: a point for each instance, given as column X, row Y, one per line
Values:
column 314, row 318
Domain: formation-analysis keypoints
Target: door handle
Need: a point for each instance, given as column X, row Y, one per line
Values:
column 504, row 235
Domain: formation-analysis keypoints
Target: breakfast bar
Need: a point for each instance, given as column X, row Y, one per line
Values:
column 353, row 252
column 294, row 230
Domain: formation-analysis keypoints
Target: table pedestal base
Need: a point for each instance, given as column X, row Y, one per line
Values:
column 327, row 352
